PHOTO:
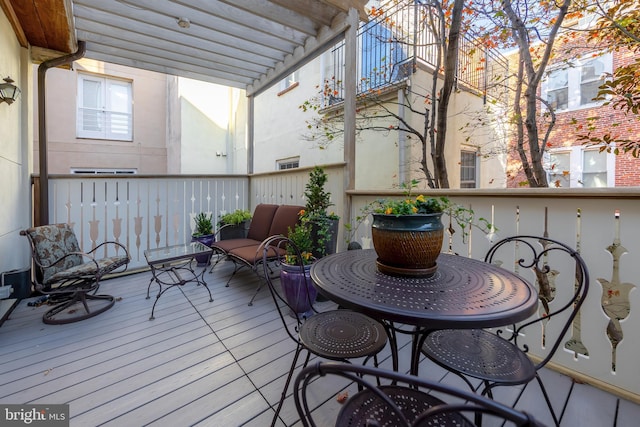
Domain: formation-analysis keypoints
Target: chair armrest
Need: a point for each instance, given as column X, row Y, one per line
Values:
column 110, row 242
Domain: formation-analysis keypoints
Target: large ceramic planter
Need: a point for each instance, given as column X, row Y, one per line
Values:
column 206, row 240
column 407, row 245
column 299, row 296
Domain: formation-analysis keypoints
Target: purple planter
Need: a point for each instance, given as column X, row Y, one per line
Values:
column 207, row 240
column 299, row 296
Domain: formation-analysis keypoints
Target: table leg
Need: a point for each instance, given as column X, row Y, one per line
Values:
column 419, row 336
column 393, row 343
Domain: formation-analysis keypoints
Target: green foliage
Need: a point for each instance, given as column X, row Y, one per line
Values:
column 315, row 213
column 204, row 224
column 318, row 200
column 410, row 205
column 300, row 235
column 234, row 218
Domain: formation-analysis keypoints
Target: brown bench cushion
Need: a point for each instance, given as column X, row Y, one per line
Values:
column 258, row 230
column 253, row 254
column 261, row 222
column 286, row 217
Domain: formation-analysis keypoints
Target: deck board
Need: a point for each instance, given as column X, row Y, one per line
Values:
column 206, row 363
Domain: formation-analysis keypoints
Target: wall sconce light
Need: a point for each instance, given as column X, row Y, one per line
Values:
column 8, row 91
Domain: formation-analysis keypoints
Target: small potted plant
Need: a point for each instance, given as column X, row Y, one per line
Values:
column 324, row 225
column 295, row 270
column 234, row 225
column 203, row 233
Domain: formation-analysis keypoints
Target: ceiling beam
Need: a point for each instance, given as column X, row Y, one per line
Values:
column 327, row 36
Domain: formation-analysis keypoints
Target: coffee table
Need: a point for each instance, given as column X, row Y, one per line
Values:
column 173, row 266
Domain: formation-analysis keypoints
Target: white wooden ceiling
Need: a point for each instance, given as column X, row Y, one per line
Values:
column 241, row 43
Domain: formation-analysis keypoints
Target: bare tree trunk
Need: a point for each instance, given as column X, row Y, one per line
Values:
column 450, row 63
column 534, row 167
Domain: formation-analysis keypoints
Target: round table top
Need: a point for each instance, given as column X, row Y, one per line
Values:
column 463, row 293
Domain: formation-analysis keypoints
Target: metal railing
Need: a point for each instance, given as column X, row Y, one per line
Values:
column 392, row 45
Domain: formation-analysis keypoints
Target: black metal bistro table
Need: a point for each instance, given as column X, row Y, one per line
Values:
column 173, row 266
column 463, row 293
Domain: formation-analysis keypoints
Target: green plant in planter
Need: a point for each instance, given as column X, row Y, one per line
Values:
column 300, row 235
column 204, row 224
column 234, row 218
column 316, row 215
column 411, row 205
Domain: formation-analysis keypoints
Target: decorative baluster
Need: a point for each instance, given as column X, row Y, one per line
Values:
column 575, row 343
column 615, row 295
column 545, row 281
column 94, row 223
column 117, row 221
column 157, row 218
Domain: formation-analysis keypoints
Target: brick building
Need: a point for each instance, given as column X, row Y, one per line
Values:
column 570, row 84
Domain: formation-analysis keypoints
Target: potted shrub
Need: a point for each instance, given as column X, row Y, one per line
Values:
column 407, row 233
column 293, row 275
column 234, row 225
column 324, row 225
column 203, row 233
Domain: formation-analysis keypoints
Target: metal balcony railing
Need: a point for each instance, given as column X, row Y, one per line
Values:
column 393, row 45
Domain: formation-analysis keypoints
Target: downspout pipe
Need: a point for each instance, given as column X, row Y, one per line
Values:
column 43, row 208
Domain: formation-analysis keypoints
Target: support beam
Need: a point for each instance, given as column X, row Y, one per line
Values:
column 350, row 88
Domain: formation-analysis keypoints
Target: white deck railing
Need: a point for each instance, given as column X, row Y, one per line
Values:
column 148, row 212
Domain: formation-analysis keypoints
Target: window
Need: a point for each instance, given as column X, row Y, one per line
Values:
column 289, row 83
column 575, row 87
column 558, row 90
column 594, row 169
column 104, row 108
column 104, row 171
column 580, row 167
column 559, row 171
column 468, row 169
column 591, row 77
column 290, row 163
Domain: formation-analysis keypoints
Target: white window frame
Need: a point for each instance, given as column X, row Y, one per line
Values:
column 93, row 171
column 576, row 166
column 288, row 163
column 476, row 167
column 113, row 121
column 574, row 82
column 291, row 81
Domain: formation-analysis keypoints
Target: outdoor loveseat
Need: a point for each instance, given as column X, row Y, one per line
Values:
column 268, row 220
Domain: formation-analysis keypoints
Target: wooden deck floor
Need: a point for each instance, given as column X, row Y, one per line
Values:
column 219, row 363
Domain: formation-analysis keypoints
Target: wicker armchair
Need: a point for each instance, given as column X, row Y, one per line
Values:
column 69, row 276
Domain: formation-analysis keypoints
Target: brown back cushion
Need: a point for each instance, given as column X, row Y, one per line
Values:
column 261, row 222
column 286, row 216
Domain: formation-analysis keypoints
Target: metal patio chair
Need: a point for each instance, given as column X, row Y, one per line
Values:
column 69, row 276
column 340, row 335
column 402, row 401
column 499, row 358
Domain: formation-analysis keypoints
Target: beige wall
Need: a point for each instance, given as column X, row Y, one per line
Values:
column 280, row 126
column 15, row 148
column 212, row 132
column 146, row 153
